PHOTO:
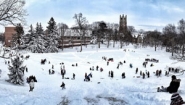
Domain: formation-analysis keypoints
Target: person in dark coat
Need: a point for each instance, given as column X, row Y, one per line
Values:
column 143, row 75
column 174, row 85
column 166, row 73
column 112, row 74
column 53, row 72
column 49, row 71
column 123, row 75
column 73, row 75
column 136, row 70
column 148, row 74
column 52, row 66
column 62, row 73
column 107, row 63
column 85, row 75
column 87, row 78
column 97, row 68
column 63, row 85
column 118, row 66
column 131, row 66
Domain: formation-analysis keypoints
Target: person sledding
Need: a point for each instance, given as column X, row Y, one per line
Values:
column 63, row 85
column 174, row 85
column 87, row 77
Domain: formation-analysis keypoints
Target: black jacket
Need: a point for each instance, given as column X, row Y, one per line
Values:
column 174, row 85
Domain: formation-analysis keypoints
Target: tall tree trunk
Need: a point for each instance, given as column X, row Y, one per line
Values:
column 81, row 43
column 155, row 45
column 183, row 50
column 172, row 48
column 114, row 43
column 98, row 41
column 121, row 43
column 62, row 43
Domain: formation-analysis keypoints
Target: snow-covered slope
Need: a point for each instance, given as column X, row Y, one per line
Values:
column 113, row 91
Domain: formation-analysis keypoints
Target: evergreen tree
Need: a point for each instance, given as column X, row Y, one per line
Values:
column 29, row 36
column 52, row 37
column 17, row 38
column 37, row 43
column 51, row 28
column 16, row 69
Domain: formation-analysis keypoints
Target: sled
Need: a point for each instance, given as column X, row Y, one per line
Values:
column 135, row 77
column 111, row 59
column 66, row 77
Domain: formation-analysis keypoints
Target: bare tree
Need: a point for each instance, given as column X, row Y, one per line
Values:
column 62, row 29
column 141, row 32
column 112, row 33
column 181, row 28
column 101, row 31
column 170, row 32
column 152, row 38
column 81, row 28
column 131, row 29
column 12, row 11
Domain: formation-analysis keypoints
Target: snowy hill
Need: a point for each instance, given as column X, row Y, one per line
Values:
column 101, row 90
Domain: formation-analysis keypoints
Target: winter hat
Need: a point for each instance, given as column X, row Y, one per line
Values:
column 173, row 77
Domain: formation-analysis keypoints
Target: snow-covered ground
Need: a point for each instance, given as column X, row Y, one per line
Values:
column 110, row 91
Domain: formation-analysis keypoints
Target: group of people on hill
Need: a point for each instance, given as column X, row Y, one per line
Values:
column 176, row 99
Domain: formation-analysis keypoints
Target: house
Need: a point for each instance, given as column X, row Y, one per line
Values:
column 72, row 38
column 137, row 38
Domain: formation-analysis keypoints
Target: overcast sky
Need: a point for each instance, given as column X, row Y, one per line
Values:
column 142, row 14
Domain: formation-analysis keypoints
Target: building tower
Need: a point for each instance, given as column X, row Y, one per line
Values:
column 123, row 24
